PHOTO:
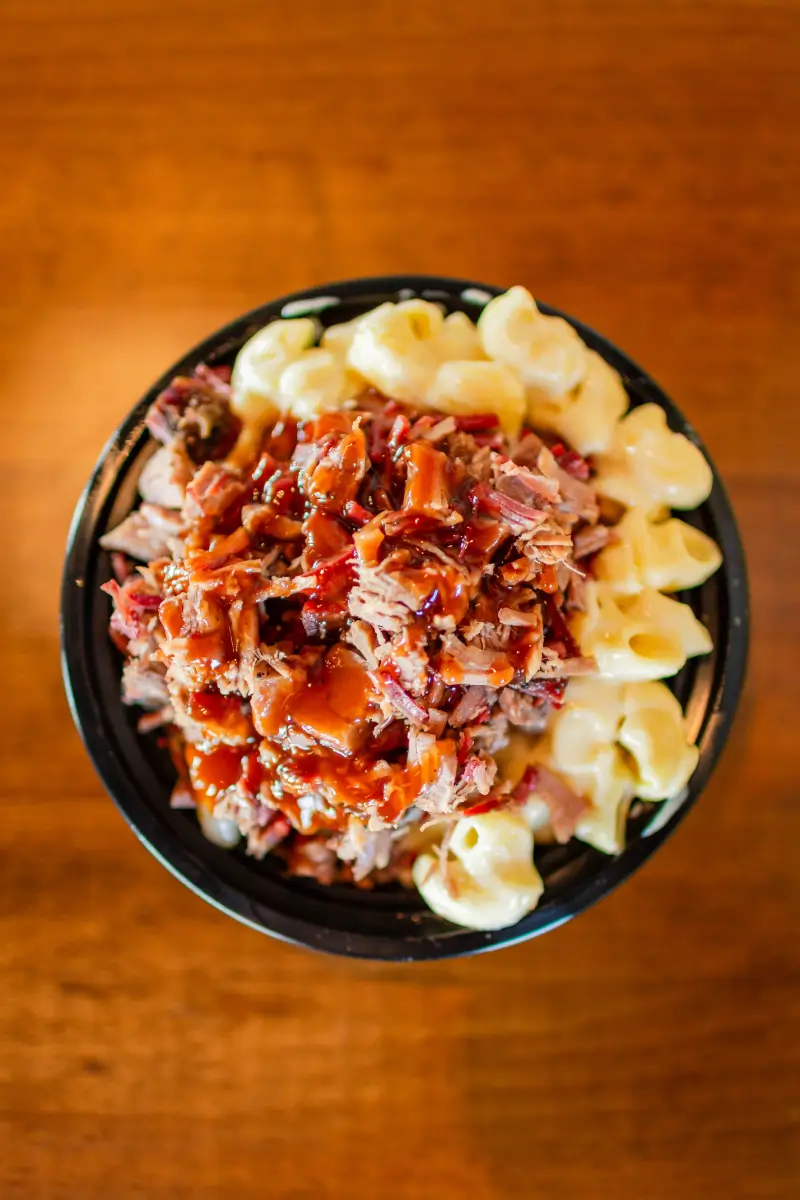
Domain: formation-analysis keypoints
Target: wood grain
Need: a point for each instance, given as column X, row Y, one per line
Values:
column 167, row 165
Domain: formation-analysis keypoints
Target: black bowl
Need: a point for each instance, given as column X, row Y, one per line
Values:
column 387, row 923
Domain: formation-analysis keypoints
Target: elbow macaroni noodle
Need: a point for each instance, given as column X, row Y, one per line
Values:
column 598, row 714
column 621, row 733
column 489, row 880
column 262, row 360
column 395, row 348
column 609, row 743
column 648, row 466
column 546, row 351
column 587, row 416
column 461, row 388
column 459, row 340
column 642, row 636
column 665, row 555
column 314, row 382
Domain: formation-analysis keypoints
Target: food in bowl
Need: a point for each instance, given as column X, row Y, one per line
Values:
column 404, row 599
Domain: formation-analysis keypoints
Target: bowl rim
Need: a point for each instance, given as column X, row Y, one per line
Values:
column 199, row 876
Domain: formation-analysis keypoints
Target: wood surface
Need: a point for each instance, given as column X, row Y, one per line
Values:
column 166, row 164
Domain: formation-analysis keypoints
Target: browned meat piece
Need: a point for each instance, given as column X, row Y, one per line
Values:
column 530, row 487
column 403, row 704
column 146, row 533
column 195, row 411
column 556, row 667
column 590, row 540
column 474, row 704
column 437, row 763
column 212, row 491
column 528, row 449
column 576, row 592
column 468, row 666
column 577, row 498
column 261, row 839
column 462, row 447
column 135, row 607
column 312, row 857
column 164, row 477
column 389, row 596
column 523, row 711
column 428, row 484
column 428, row 429
column 476, row 778
column 331, row 478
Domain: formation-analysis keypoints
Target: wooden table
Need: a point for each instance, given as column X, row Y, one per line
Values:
column 165, row 165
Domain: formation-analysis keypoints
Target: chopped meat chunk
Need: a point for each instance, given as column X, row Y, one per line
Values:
column 213, row 489
column 474, row 704
column 195, row 412
column 590, row 540
column 164, row 477
column 523, row 711
column 145, row 534
column 469, row 666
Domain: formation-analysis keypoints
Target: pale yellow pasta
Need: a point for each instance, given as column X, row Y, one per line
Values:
column 613, row 741
column 589, row 764
column 665, row 555
column 458, row 340
column 522, row 750
column 479, row 387
column 596, row 771
column 588, row 722
column 587, row 416
column 601, row 775
column 608, row 783
column 648, row 466
column 314, row 383
column 643, row 718
column 583, row 751
column 261, row 362
column 489, row 881
column 653, row 731
column 339, row 338
column 545, row 351
column 427, row 319
column 518, row 753
column 641, row 636
column 395, row 348
column 667, row 614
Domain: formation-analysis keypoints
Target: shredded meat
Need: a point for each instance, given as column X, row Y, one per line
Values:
column 212, row 490
column 523, row 711
column 474, row 703
column 312, row 857
column 145, row 534
column 144, row 683
column 365, row 849
column 470, row 666
column 566, row 807
column 340, row 633
column 590, row 540
column 194, row 412
column 164, row 477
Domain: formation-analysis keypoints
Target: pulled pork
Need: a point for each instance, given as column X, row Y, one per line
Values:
column 341, row 634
